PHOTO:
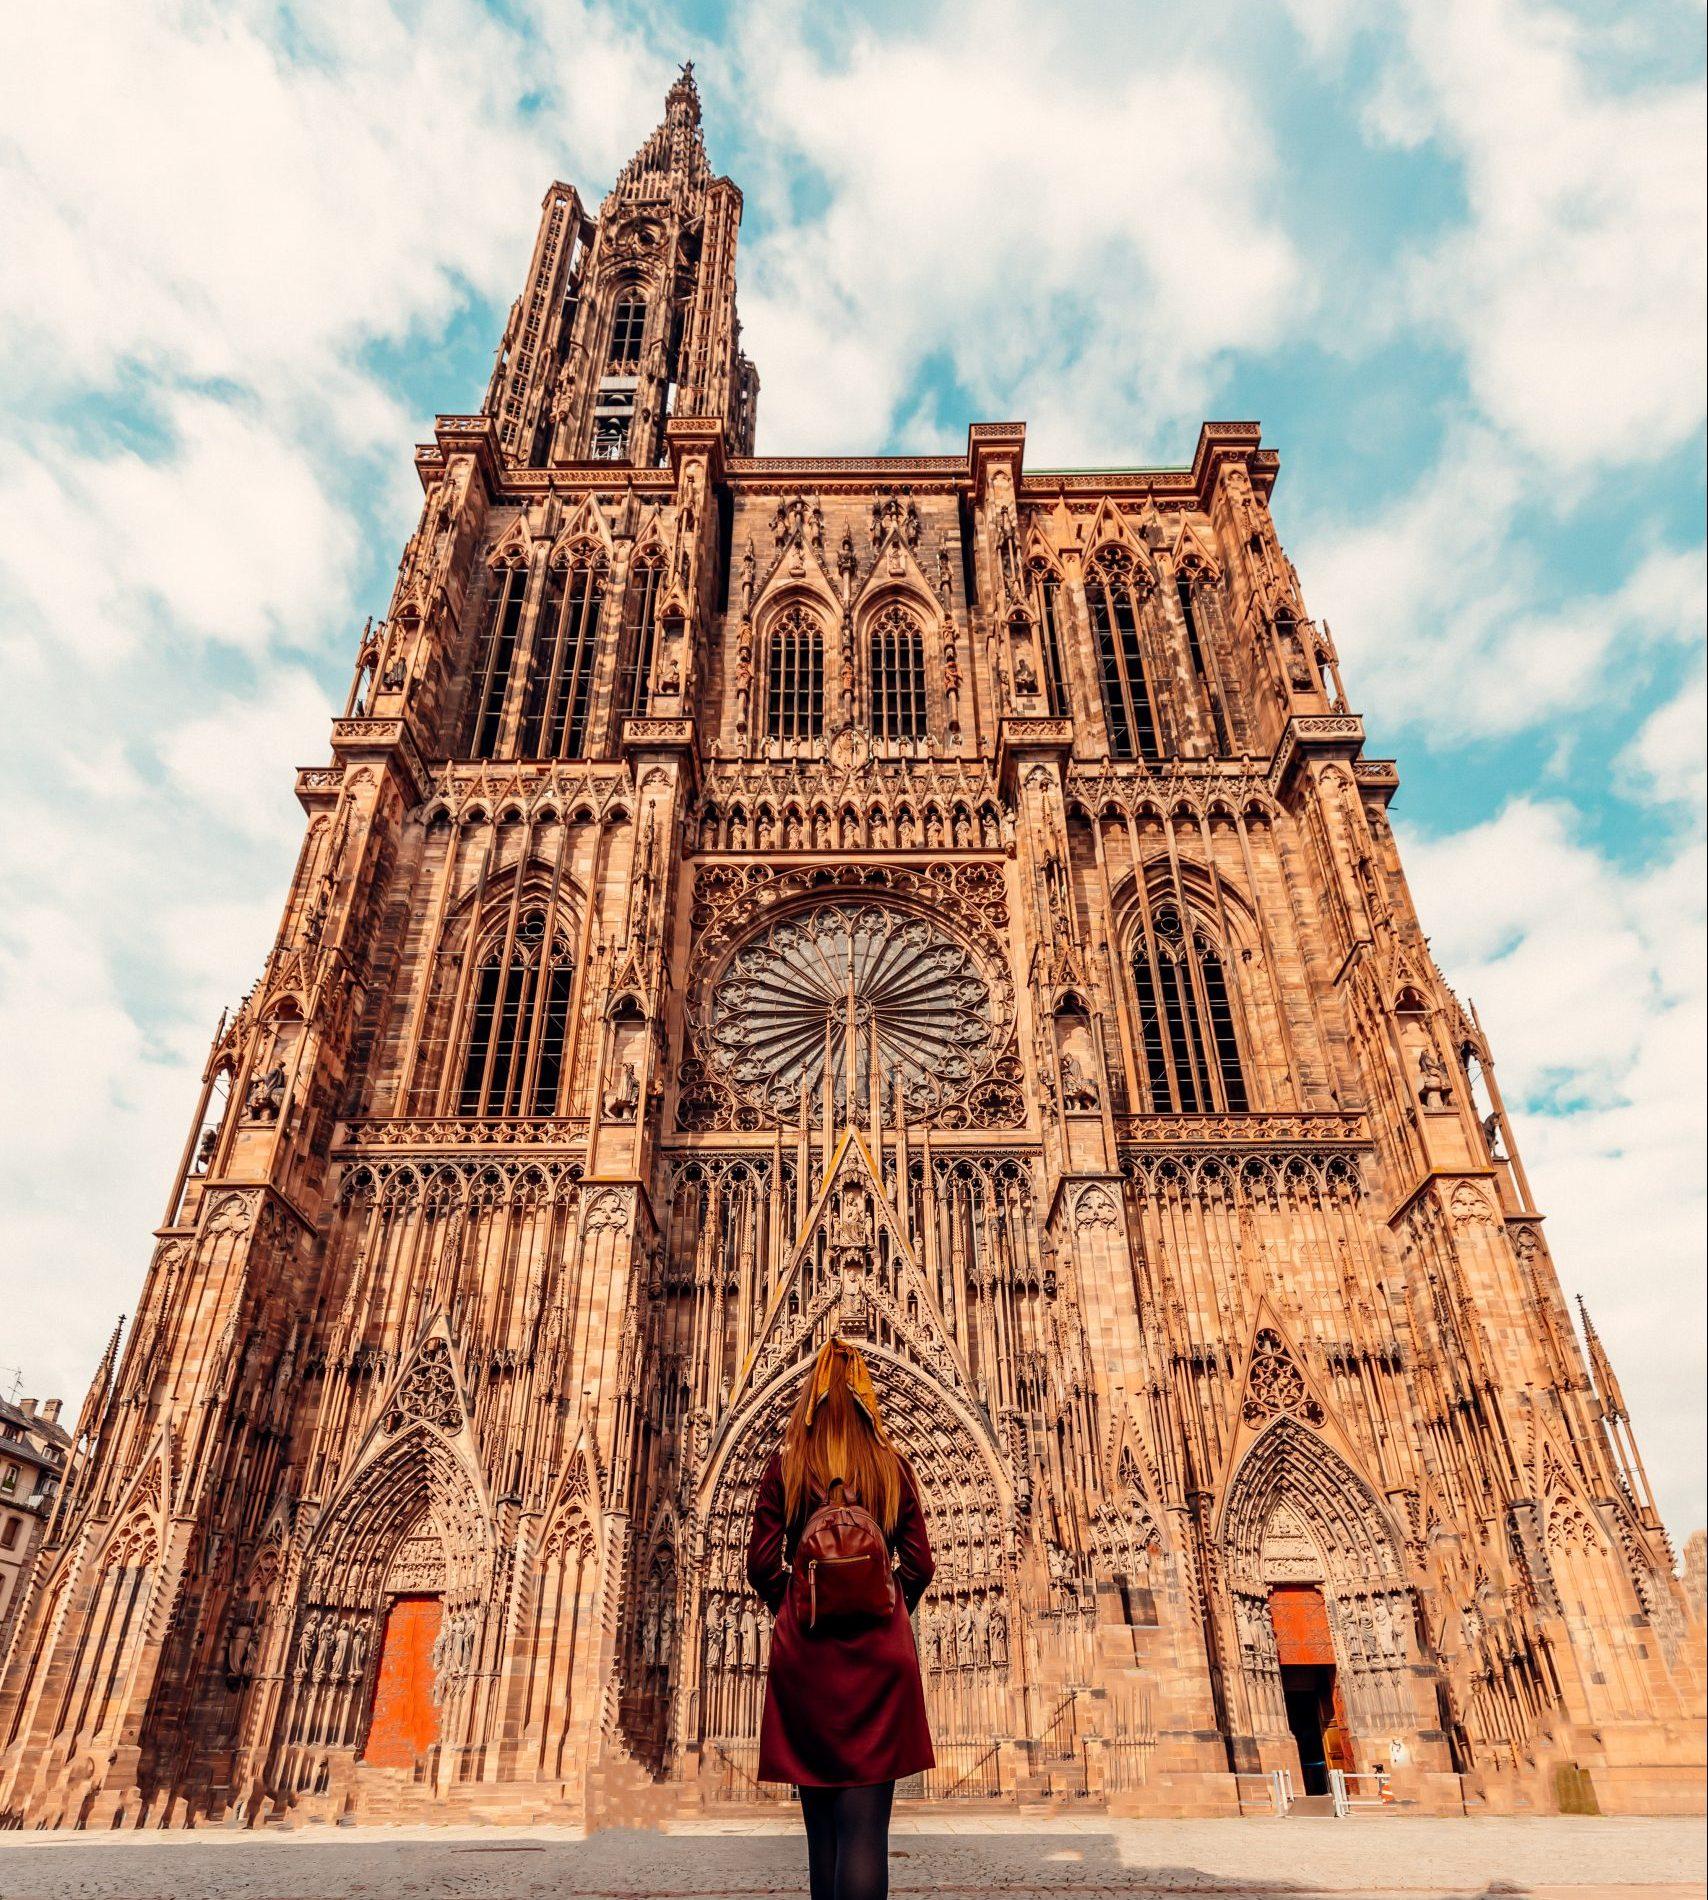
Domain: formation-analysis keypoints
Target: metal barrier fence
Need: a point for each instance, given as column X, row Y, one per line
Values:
column 1351, row 1790
column 1277, row 1785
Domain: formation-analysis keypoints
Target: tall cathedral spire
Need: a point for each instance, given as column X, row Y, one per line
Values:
column 629, row 318
column 676, row 151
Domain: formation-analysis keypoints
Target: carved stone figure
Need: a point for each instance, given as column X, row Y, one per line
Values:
column 622, row 1102
column 1433, row 1092
column 1079, row 1092
column 267, row 1095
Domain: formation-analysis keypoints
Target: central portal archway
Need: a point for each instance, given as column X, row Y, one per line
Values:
column 965, row 1627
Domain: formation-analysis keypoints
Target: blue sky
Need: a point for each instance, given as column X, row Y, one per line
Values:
column 1450, row 255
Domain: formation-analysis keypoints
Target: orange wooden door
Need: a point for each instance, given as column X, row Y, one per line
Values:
column 405, row 1719
column 1300, row 1618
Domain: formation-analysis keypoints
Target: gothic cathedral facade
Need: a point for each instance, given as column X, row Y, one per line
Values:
column 922, row 898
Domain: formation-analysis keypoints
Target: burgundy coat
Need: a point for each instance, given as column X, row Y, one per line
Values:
column 840, row 1710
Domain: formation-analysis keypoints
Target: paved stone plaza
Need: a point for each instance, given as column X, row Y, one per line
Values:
column 950, row 1859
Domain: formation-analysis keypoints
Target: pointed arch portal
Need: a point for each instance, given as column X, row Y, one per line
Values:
column 1317, row 1579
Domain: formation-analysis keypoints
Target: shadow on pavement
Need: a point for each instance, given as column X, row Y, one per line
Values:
column 620, row 1864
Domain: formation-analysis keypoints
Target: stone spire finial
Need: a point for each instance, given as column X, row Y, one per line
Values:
column 675, row 151
column 682, row 101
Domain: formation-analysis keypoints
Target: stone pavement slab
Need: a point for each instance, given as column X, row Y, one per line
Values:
column 946, row 1858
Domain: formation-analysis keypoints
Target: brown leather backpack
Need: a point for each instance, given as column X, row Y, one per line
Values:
column 841, row 1576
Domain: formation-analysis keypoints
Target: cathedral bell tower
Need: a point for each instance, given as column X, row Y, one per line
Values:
column 629, row 318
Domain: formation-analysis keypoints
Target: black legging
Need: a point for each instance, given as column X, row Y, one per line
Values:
column 848, row 1841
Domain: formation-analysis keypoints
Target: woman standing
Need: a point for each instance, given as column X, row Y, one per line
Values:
column 844, row 1705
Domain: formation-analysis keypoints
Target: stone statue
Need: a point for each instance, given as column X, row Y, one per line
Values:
column 266, row 1097
column 1491, row 1135
column 623, row 1102
column 1079, row 1092
column 1434, row 1092
column 998, row 1636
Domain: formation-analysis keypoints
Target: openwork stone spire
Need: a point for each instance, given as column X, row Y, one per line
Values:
column 675, row 154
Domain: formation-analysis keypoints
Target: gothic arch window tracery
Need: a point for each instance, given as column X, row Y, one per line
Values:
column 1129, row 707
column 641, row 633
column 1188, row 1043
column 1187, row 582
column 896, row 677
column 512, row 1052
column 794, row 698
column 628, row 333
column 1052, row 648
column 557, row 705
column 498, row 660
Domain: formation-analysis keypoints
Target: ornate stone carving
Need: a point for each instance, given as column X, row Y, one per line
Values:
column 428, row 1393
column 1275, row 1385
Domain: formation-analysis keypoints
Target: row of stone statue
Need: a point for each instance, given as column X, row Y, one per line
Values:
column 968, row 1633
column 333, row 1647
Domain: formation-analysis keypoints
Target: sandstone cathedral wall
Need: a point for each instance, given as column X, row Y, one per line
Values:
column 922, row 898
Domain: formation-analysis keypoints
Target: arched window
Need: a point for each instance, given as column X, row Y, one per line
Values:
column 513, row 1054
column 1047, row 603
column 492, row 682
column 628, row 327
column 1111, row 595
column 641, row 635
column 795, row 678
column 897, row 683
column 1186, row 1024
column 558, row 702
column 1200, row 659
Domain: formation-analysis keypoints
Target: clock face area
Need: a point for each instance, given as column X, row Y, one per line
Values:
column 847, row 985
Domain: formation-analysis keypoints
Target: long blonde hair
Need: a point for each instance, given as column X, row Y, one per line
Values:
column 835, row 1432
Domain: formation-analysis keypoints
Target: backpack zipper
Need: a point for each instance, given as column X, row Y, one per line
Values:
column 812, row 1580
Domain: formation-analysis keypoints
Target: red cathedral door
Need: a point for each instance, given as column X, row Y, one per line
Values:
column 1304, row 1646
column 405, row 1720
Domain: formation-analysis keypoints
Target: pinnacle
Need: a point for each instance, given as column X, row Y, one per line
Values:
column 684, row 96
column 675, row 148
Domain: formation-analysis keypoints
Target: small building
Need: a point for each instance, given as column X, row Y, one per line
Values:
column 33, row 1450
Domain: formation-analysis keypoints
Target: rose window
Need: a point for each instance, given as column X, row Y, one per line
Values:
column 841, row 985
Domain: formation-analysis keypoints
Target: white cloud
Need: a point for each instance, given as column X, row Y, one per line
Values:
column 1064, row 232
column 1574, row 285
column 1433, row 604
column 190, row 190
column 1668, row 759
column 229, row 537
column 208, row 215
column 238, row 760
column 1590, row 982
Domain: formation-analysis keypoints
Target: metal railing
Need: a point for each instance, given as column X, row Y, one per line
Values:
column 737, row 1780
column 1277, row 1785
column 1060, row 1739
column 1126, row 1761
column 979, row 1780
column 1351, row 1790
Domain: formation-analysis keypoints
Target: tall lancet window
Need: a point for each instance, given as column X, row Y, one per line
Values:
column 641, row 635
column 628, row 328
column 1186, row 1022
column 897, row 679
column 492, row 681
column 794, row 710
column 513, row 1050
column 1200, row 661
column 1111, row 594
column 1047, row 606
column 557, row 707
